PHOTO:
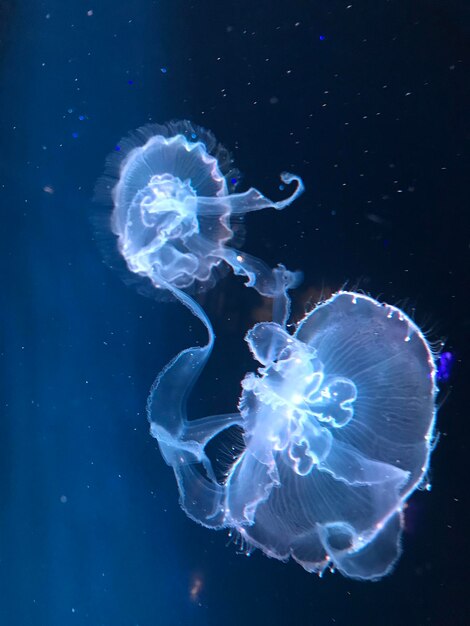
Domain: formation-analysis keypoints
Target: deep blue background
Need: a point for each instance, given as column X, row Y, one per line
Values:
column 368, row 104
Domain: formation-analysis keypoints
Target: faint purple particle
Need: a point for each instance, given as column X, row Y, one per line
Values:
column 444, row 366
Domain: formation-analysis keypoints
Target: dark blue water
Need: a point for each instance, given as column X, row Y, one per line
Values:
column 366, row 103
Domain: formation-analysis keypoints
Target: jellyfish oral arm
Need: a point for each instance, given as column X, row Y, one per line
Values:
column 182, row 442
column 250, row 200
column 266, row 281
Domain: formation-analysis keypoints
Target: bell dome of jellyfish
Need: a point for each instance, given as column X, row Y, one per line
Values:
column 338, row 429
column 172, row 190
column 339, row 422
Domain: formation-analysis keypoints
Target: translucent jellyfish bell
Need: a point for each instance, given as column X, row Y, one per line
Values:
column 171, row 189
column 337, row 426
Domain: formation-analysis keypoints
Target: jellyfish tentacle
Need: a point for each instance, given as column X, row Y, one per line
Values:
column 260, row 276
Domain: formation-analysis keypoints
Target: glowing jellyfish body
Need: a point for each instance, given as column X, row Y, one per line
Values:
column 337, row 422
column 337, row 427
column 172, row 209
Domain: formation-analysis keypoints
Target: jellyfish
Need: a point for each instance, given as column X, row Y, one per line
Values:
column 172, row 190
column 337, row 429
